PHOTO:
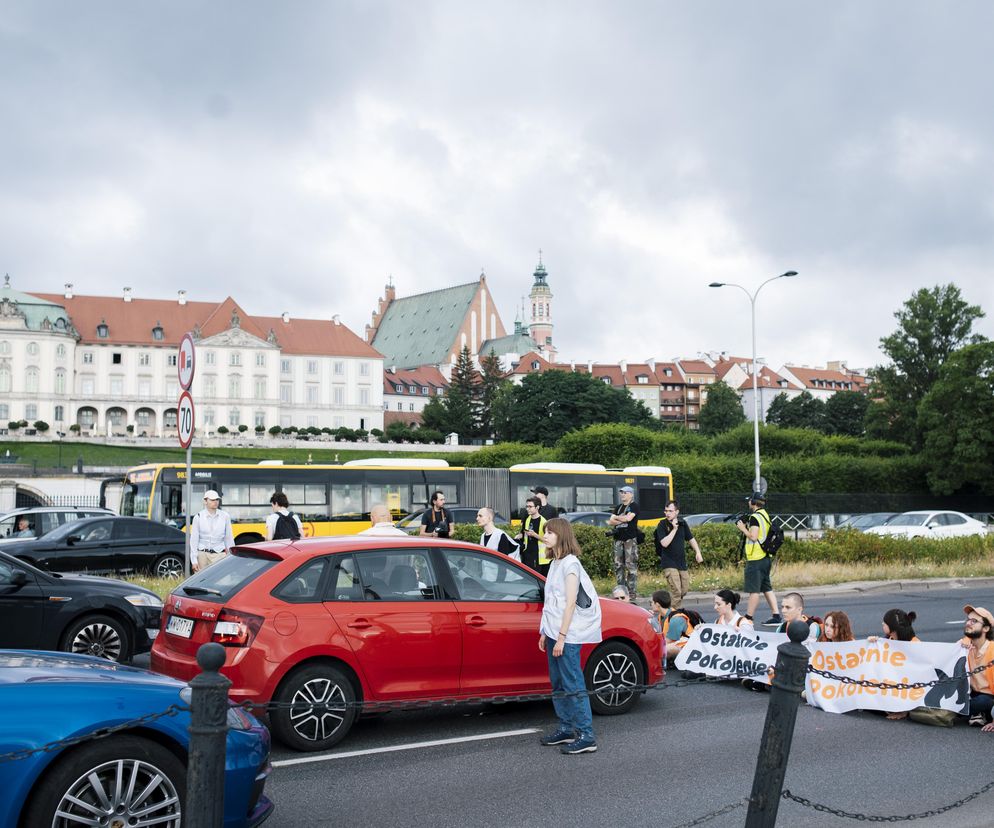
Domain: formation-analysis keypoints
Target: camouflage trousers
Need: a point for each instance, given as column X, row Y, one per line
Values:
column 626, row 564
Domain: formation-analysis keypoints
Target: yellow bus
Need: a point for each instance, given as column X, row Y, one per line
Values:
column 335, row 500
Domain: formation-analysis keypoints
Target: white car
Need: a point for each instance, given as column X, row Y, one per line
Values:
column 930, row 525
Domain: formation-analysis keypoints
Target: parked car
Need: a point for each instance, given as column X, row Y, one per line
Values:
column 43, row 519
column 924, row 524
column 107, row 544
column 460, row 514
column 75, row 613
column 709, row 517
column 867, row 521
column 134, row 777
column 598, row 519
column 331, row 621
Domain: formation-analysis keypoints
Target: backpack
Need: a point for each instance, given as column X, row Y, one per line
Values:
column 774, row 538
column 286, row 528
column 693, row 617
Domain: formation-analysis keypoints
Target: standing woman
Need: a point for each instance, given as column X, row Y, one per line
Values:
column 566, row 625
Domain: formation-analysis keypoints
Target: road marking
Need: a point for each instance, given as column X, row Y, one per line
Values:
column 327, row 757
column 956, row 622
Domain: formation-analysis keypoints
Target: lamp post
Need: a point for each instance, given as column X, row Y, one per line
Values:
column 755, row 381
column 61, row 435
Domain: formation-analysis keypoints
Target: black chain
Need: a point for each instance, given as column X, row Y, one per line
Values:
column 807, row 803
column 714, row 814
column 101, row 733
column 915, row 685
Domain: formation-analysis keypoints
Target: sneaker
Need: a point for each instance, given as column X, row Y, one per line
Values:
column 978, row 720
column 560, row 736
column 582, row 745
column 773, row 621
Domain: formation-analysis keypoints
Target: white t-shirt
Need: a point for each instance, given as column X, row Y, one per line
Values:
column 271, row 522
column 585, row 626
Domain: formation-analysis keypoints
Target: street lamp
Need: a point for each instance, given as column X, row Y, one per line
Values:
column 61, row 435
column 755, row 381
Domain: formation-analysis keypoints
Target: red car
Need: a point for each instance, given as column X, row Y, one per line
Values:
column 335, row 620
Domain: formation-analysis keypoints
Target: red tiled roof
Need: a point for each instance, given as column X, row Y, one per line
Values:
column 524, row 365
column 426, row 375
column 695, row 366
column 131, row 323
column 768, row 379
column 832, row 379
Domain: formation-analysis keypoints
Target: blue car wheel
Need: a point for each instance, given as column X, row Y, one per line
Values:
column 120, row 780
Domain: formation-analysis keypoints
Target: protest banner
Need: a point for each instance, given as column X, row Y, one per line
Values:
column 887, row 663
column 719, row 650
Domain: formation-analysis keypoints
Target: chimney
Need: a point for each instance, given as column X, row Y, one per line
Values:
column 389, row 293
column 68, row 290
column 336, row 319
column 623, row 365
column 392, row 369
column 572, row 366
column 590, row 366
column 181, row 296
column 652, row 364
column 285, row 316
column 127, row 294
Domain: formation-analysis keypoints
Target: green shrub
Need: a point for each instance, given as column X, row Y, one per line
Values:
column 505, row 455
column 610, row 444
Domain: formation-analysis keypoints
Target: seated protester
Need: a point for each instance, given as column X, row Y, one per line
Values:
column 725, row 602
column 792, row 609
column 620, row 593
column 675, row 625
column 836, row 627
column 494, row 538
column 978, row 633
column 897, row 627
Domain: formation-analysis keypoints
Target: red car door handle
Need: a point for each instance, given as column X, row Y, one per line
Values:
column 360, row 624
column 476, row 621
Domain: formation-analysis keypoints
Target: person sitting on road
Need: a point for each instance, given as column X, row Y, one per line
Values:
column 620, row 593
column 675, row 625
column 897, row 626
column 792, row 609
column 836, row 627
column 725, row 602
column 978, row 633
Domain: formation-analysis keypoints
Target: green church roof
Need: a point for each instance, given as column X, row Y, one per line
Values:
column 516, row 343
column 36, row 311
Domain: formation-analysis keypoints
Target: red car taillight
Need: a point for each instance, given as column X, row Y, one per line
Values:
column 236, row 629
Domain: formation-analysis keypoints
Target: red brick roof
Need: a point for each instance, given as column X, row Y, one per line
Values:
column 131, row 323
column 524, row 365
column 768, row 379
column 824, row 378
column 426, row 375
column 695, row 366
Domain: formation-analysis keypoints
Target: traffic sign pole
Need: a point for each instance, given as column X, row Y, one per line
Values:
column 185, row 424
column 189, row 506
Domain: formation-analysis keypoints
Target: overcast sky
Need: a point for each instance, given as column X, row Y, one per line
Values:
column 295, row 155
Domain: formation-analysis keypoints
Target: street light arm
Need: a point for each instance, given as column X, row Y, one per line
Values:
column 786, row 275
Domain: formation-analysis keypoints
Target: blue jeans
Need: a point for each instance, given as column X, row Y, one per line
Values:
column 567, row 677
column 980, row 703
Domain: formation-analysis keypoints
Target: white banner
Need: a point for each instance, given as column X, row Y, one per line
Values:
column 888, row 662
column 717, row 650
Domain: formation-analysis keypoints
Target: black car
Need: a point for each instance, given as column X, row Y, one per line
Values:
column 74, row 613
column 107, row 544
column 598, row 519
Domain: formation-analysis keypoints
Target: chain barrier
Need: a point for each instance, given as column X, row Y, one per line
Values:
column 100, row 733
column 826, row 809
column 714, row 814
column 914, row 685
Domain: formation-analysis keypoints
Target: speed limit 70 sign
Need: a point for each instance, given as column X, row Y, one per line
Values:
column 185, row 422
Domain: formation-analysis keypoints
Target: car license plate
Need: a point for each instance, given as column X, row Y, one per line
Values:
column 180, row 626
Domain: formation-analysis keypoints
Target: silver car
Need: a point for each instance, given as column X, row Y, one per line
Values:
column 42, row 520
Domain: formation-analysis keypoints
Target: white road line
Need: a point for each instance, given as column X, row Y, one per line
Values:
column 961, row 620
column 327, row 757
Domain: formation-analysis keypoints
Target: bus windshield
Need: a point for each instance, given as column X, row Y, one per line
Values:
column 135, row 499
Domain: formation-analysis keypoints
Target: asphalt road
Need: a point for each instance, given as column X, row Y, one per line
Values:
column 682, row 752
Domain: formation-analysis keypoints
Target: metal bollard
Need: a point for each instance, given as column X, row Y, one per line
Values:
column 785, row 695
column 208, row 735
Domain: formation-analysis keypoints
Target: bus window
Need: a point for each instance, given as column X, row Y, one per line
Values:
column 136, row 498
column 594, row 498
column 309, row 500
column 246, row 502
column 173, row 496
column 652, row 502
column 561, row 497
column 396, row 497
column 346, row 501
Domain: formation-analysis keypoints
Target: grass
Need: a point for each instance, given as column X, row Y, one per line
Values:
column 46, row 455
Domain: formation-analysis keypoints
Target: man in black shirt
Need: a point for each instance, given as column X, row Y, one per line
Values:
column 546, row 510
column 625, row 522
column 672, row 534
column 437, row 520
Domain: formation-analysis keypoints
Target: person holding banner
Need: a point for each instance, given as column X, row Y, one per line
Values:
column 793, row 610
column 725, row 602
column 897, row 626
column 571, row 617
column 978, row 633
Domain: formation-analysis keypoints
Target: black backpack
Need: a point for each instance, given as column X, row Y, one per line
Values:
column 286, row 528
column 774, row 538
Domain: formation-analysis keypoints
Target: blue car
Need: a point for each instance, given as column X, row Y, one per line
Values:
column 131, row 778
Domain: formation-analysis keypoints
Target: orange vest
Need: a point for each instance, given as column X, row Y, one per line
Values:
column 988, row 671
column 687, row 631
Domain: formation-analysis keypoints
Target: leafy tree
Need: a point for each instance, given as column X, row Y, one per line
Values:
column 845, row 413
column 42, row 426
column 242, row 428
column 260, row 429
column 774, row 414
column 397, row 432
column 932, row 324
column 802, row 411
column 13, row 425
column 545, row 406
column 222, row 429
column 461, row 400
column 956, row 421
column 722, row 411
column 492, row 382
column 433, row 416
column 274, row 430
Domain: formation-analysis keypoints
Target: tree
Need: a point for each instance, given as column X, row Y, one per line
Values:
column 492, row 381
column 222, row 429
column 433, row 416
column 774, row 414
column 722, row 411
column 932, row 324
column 42, row 426
column 461, row 400
column 274, row 430
column 802, row 411
column 845, row 413
column 545, row 406
column 242, row 428
column 956, row 421
column 260, row 429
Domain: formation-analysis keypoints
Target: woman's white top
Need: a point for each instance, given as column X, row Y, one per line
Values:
column 585, row 626
column 737, row 621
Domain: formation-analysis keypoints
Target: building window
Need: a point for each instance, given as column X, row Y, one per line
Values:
column 171, row 360
column 399, row 389
column 31, row 380
column 210, row 385
column 117, row 386
column 285, row 421
column 424, row 390
column 312, row 422
column 142, row 417
column 208, row 416
column 339, row 395
column 235, row 359
column 60, row 352
column 339, row 422
column 363, row 396
column 400, row 406
column 642, row 379
column 59, row 413
column 209, row 358
column 363, row 369
column 260, row 360
column 4, row 347
column 286, row 392
column 260, row 388
column 172, row 389
column 88, row 357
column 86, row 386
column 144, row 388
column 312, row 393
column 411, row 389
column 234, row 417
column 285, row 366
column 102, row 330
column 157, row 333
column 4, row 411
column 5, row 380
column 31, row 411
column 116, row 359
column 234, row 386
column 144, row 359
column 339, row 368
column 60, row 382
column 260, row 418
column 312, row 366
column 410, row 406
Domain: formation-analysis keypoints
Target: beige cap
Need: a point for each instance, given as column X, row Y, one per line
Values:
column 210, row 494
column 983, row 613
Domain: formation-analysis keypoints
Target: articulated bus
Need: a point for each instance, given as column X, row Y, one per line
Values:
column 335, row 500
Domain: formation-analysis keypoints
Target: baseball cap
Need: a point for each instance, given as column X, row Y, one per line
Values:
column 983, row 613
column 757, row 497
column 628, row 489
column 210, row 494
column 540, row 490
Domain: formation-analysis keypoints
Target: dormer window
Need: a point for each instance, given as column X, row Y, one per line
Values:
column 535, row 365
column 642, row 379
column 399, row 388
column 102, row 329
column 157, row 332
column 606, row 380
